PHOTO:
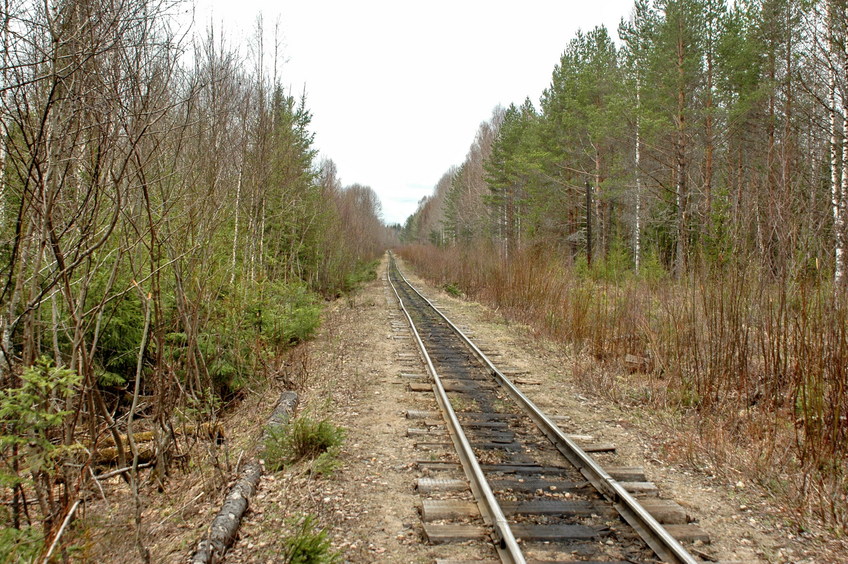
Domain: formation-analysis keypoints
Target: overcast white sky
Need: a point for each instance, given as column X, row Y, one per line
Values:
column 397, row 89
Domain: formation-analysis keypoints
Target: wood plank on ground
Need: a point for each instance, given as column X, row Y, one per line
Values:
column 535, row 484
column 460, row 386
column 485, row 424
column 438, row 533
column 502, row 468
column 641, row 488
column 417, row 414
column 688, row 533
column 627, row 473
column 513, row 372
column 439, row 509
column 464, row 377
column 556, row 507
column 554, row 532
column 435, row 431
column 485, row 416
column 523, row 381
column 489, row 434
column 598, row 447
column 483, row 445
column 666, row 511
column 429, row 485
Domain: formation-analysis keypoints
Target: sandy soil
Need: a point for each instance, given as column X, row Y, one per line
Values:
column 369, row 508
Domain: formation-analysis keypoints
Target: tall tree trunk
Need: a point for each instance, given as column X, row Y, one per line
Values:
column 681, row 188
column 588, row 223
column 510, row 224
column 708, row 126
column 6, row 94
column 766, row 224
column 783, row 237
column 236, row 231
column 637, row 230
column 842, row 210
column 836, row 187
column 599, row 208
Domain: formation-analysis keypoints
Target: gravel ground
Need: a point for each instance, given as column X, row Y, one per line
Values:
column 369, row 508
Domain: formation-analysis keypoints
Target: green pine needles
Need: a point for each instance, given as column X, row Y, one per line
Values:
column 32, row 416
column 31, row 419
column 307, row 545
column 303, row 438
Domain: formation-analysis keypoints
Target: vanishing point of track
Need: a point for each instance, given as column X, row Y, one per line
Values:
column 539, row 495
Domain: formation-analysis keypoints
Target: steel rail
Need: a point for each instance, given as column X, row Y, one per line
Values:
column 506, row 544
column 652, row 532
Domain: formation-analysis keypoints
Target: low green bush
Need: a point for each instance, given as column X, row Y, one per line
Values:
column 244, row 331
column 291, row 314
column 31, row 420
column 308, row 545
column 300, row 439
column 364, row 272
column 20, row 545
column 453, row 289
column 327, row 462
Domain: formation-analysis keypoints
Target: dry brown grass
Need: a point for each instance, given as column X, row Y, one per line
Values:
column 755, row 368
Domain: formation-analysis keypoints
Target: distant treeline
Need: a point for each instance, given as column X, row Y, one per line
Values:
column 713, row 132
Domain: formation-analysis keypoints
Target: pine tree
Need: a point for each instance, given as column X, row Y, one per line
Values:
column 511, row 168
column 582, row 128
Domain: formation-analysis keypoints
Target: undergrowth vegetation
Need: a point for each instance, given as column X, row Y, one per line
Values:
column 303, row 438
column 758, row 366
column 163, row 251
column 307, row 544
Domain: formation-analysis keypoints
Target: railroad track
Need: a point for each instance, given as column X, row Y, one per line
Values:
column 527, row 485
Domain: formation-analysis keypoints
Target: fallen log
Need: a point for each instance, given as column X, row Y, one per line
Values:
column 109, row 455
column 281, row 413
column 107, row 452
column 212, row 431
column 224, row 527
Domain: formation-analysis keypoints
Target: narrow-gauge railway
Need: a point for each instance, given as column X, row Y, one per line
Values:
column 536, row 493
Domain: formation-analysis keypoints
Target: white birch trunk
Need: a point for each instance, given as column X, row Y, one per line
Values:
column 842, row 211
column 637, row 231
column 261, row 234
column 236, row 233
column 5, row 59
column 836, row 188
